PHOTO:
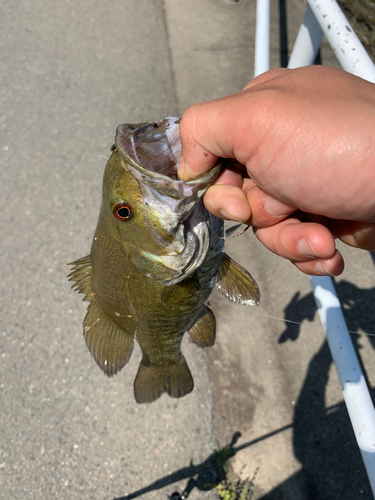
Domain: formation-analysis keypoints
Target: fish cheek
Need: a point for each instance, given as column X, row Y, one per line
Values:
column 135, row 233
column 139, row 229
column 145, row 216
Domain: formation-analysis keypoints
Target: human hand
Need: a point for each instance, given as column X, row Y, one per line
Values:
column 305, row 143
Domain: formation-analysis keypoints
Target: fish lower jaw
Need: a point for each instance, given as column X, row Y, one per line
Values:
column 166, row 269
column 171, row 268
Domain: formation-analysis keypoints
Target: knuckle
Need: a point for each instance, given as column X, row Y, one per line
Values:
column 189, row 121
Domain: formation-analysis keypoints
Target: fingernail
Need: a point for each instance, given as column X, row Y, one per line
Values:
column 320, row 268
column 226, row 215
column 275, row 207
column 181, row 168
column 304, row 247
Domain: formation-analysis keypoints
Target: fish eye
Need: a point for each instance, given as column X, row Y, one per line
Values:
column 122, row 211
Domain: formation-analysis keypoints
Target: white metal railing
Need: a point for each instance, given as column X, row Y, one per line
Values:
column 356, row 394
column 262, row 38
column 326, row 18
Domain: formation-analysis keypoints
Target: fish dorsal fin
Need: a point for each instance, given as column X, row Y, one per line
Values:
column 237, row 284
column 202, row 332
column 110, row 345
column 81, row 275
column 152, row 381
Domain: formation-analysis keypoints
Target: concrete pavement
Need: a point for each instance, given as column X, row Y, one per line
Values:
column 71, row 72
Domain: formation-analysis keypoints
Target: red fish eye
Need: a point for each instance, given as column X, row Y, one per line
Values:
column 123, row 211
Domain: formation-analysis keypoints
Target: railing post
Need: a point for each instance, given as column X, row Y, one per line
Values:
column 307, row 42
column 356, row 395
column 262, row 38
column 343, row 40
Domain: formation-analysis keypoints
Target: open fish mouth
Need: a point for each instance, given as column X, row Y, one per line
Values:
column 152, row 152
column 154, row 147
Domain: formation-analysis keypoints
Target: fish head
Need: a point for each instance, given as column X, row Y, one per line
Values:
column 158, row 217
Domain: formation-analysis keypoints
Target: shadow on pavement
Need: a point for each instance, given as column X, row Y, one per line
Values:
column 204, row 476
column 323, row 439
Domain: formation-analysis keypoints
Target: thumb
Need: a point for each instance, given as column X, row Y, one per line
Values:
column 205, row 136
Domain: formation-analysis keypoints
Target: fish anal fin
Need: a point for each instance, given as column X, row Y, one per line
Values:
column 110, row 345
column 237, row 284
column 152, row 381
column 203, row 331
column 81, row 275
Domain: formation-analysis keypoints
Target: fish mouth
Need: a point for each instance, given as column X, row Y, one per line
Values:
column 152, row 152
column 151, row 147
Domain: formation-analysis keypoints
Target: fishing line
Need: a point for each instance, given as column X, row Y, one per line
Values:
column 228, row 231
column 295, row 322
column 280, row 319
column 301, row 323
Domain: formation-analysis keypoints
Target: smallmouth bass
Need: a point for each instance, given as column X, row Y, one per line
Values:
column 155, row 258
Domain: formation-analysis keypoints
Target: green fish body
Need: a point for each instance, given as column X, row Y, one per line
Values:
column 155, row 258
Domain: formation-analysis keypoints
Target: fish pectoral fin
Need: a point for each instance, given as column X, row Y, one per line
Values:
column 110, row 345
column 237, row 284
column 203, row 331
column 152, row 381
column 81, row 275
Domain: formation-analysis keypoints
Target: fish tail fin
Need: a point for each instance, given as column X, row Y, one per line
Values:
column 152, row 381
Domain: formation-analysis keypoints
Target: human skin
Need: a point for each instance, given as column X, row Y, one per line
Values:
column 304, row 140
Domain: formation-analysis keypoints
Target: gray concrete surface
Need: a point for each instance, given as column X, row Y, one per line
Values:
column 71, row 72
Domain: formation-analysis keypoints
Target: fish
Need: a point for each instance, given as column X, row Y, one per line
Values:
column 156, row 256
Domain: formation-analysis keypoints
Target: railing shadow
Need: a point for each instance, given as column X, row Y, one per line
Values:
column 358, row 306
column 283, row 33
column 323, row 439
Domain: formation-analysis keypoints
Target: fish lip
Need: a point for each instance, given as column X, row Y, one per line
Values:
column 125, row 135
